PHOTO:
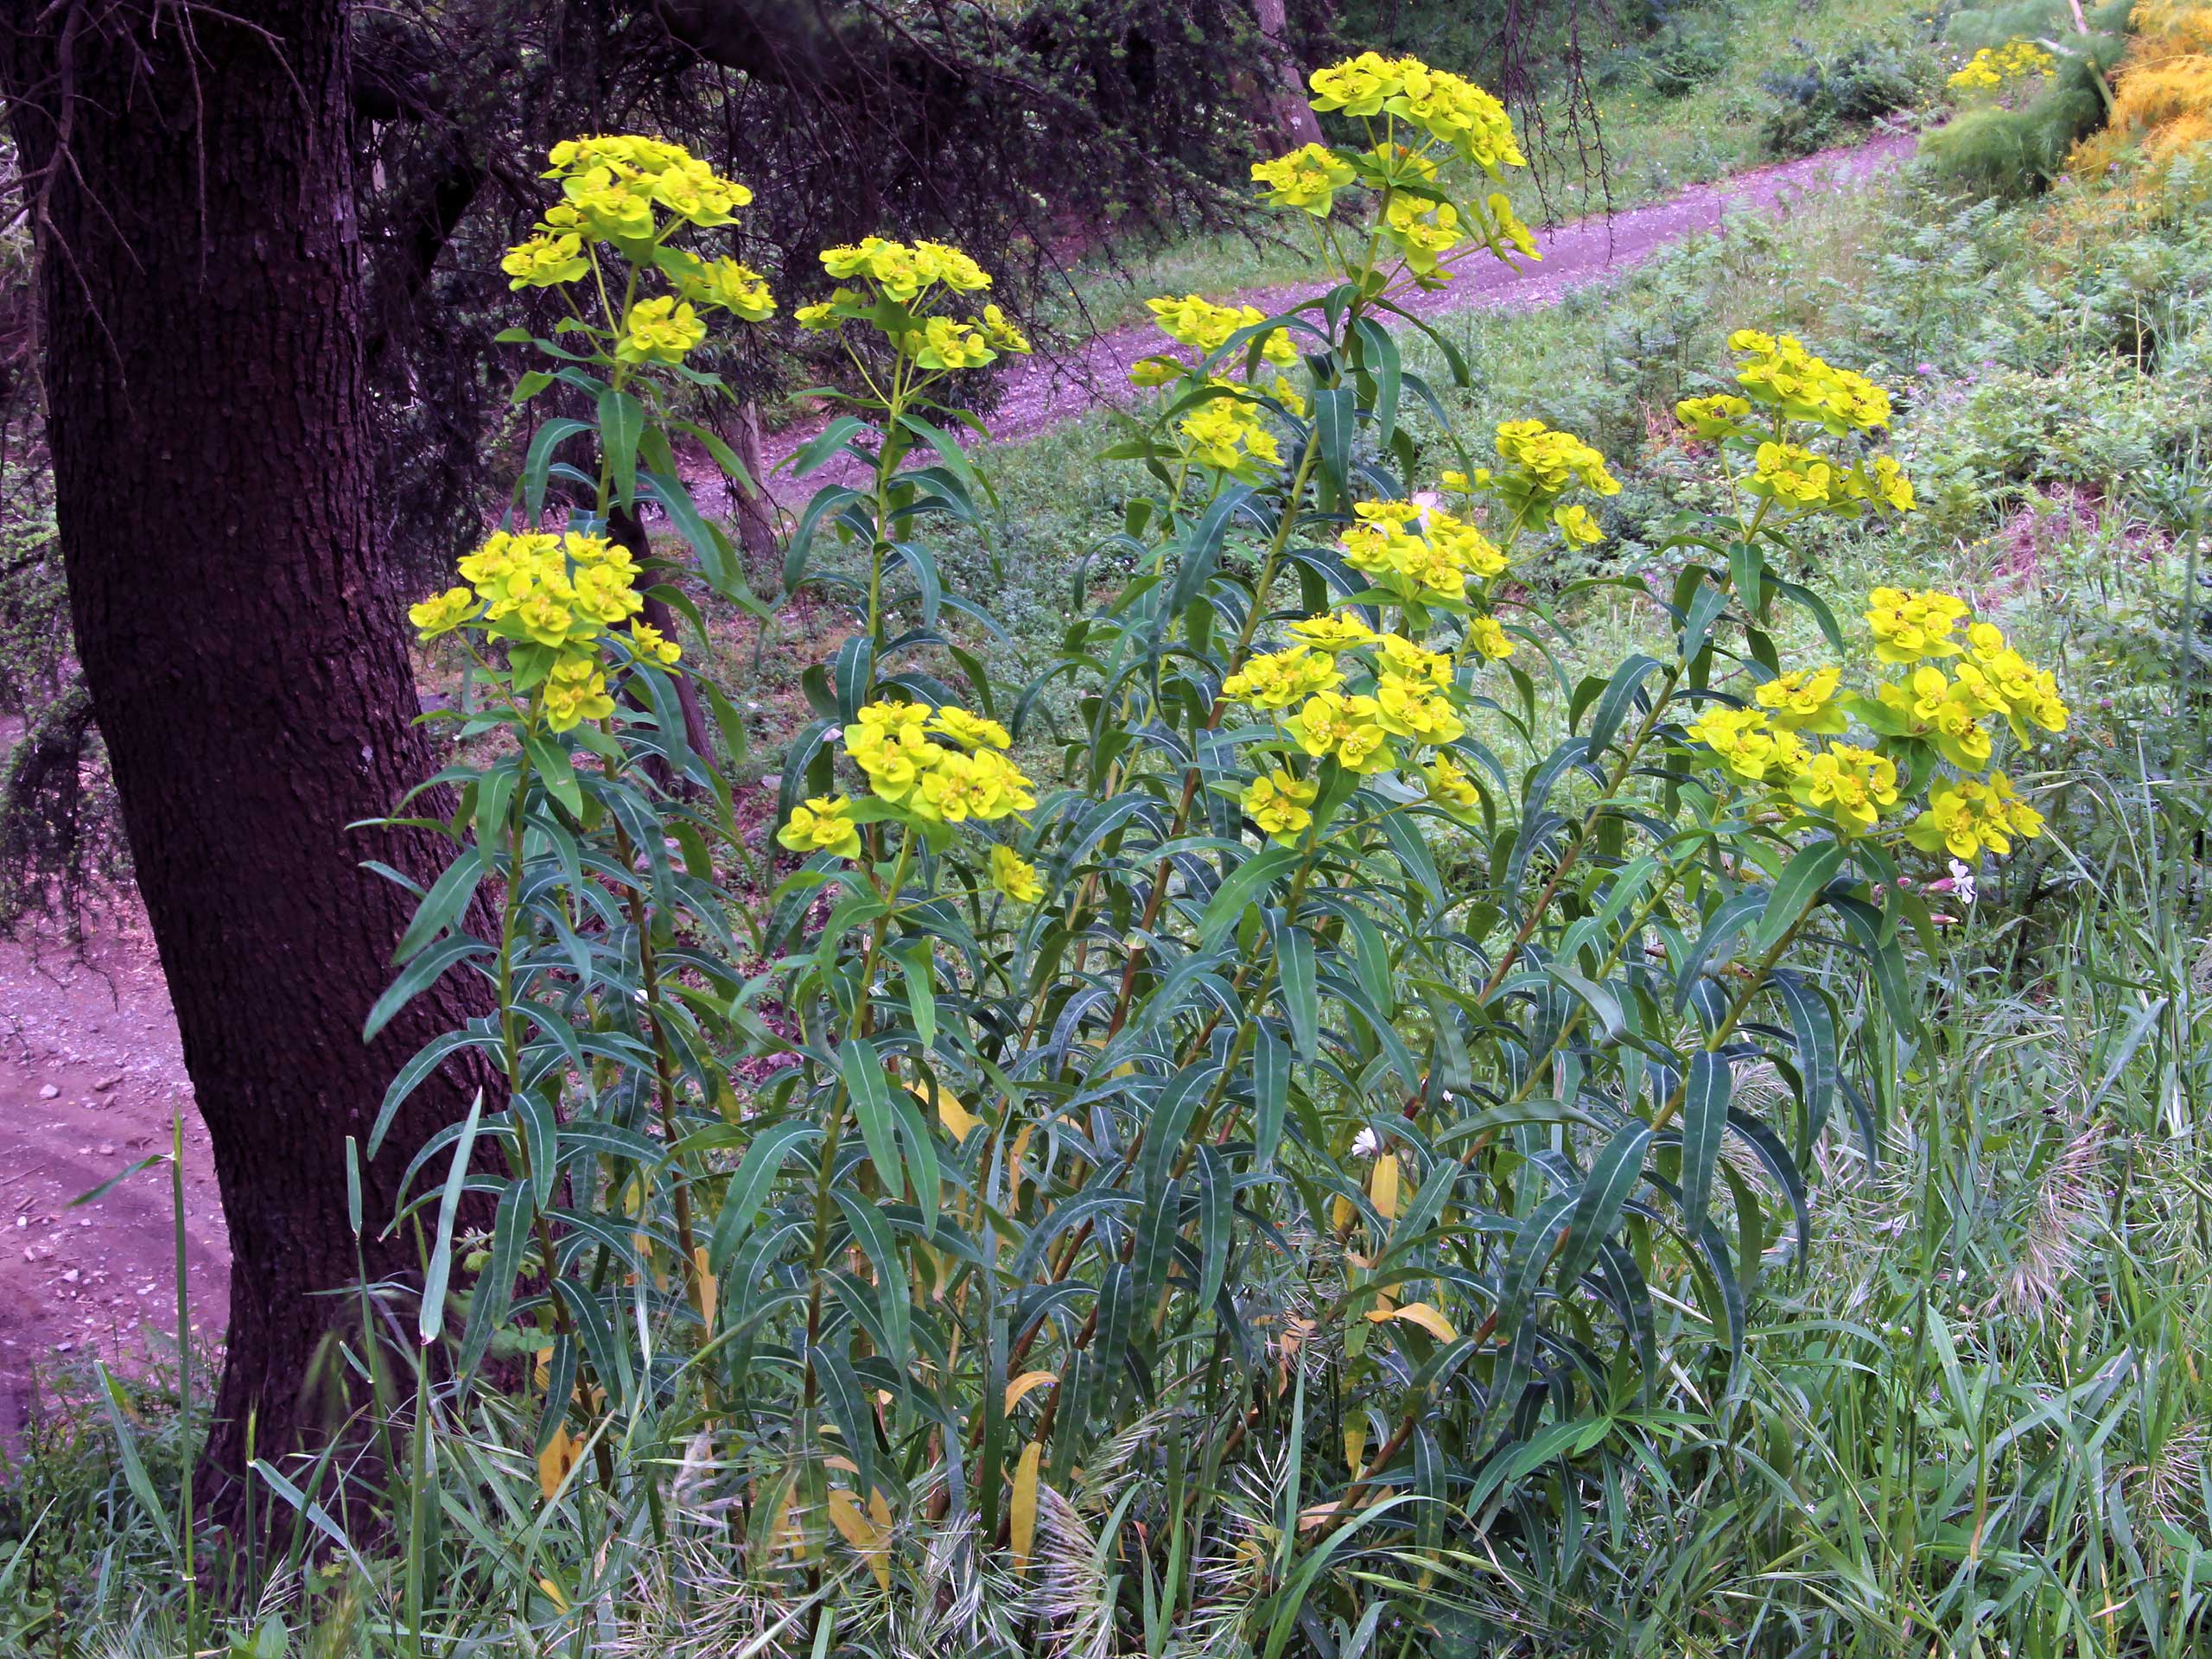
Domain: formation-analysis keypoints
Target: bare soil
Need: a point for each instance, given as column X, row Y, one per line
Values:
column 90, row 1066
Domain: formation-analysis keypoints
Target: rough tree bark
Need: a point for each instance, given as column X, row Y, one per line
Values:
column 241, row 641
column 1293, row 113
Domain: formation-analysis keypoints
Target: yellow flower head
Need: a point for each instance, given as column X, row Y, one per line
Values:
column 1344, row 727
column 1908, row 626
column 1454, row 111
column 1779, row 373
column 1488, row 636
column 823, row 825
column 442, row 613
column 1713, row 417
column 649, row 645
column 1576, row 526
column 1422, row 232
column 574, row 692
column 1333, row 633
column 546, row 260
column 1792, row 475
column 1965, row 817
column 1196, row 322
column 969, row 731
column 720, row 284
column 1278, row 679
column 943, row 343
column 1803, row 700
column 1279, row 804
column 1449, row 786
column 1001, row 335
column 1748, row 744
column 1415, row 708
column 1544, row 463
column 1849, row 784
column 1403, row 657
column 1307, row 179
column 1227, row 435
column 659, row 331
column 1015, row 876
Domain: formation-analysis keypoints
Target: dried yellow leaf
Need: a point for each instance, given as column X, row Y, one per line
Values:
column 1382, row 1186
column 1021, row 1524
column 1355, row 1446
column 1420, row 1313
column 709, row 1292
column 861, row 1530
column 554, row 1463
column 955, row 1116
column 1024, row 1384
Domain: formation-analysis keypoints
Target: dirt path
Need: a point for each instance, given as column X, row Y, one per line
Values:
column 90, row 1071
column 90, row 1063
column 1042, row 392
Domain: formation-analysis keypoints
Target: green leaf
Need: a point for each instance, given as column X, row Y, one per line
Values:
column 556, row 773
column 430, row 1316
column 1705, row 1117
column 538, row 459
column 1242, row 886
column 126, row 1446
column 447, row 897
column 621, row 421
column 1802, row 881
column 862, row 1070
column 1613, row 1175
column 416, row 977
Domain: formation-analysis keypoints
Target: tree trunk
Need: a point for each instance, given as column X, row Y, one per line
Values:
column 755, row 509
column 1294, row 116
column 240, row 637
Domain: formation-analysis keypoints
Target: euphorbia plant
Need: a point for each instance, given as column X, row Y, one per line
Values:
column 1264, row 1088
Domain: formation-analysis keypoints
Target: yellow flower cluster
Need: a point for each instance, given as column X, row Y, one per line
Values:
column 1229, row 434
column 824, row 824
column 1279, row 804
column 659, row 331
column 1423, row 231
column 1968, row 816
column 1908, row 626
column 1749, row 744
column 968, row 776
column 1853, row 786
column 1989, row 677
column 719, row 284
column 553, row 597
column 1015, row 876
column 1451, row 110
column 1278, row 679
column 1423, row 558
column 1542, row 464
column 1196, row 322
column 903, row 273
column 1993, row 69
column 1778, row 374
column 907, row 276
column 617, row 188
column 1307, row 179
column 1791, row 474
column 1804, row 701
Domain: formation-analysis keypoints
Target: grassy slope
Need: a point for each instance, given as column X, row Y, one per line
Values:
column 1652, row 145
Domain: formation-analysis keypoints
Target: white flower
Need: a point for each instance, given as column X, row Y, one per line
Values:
column 1961, row 882
column 1366, row 1144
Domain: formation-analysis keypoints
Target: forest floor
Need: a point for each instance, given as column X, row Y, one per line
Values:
column 90, row 1066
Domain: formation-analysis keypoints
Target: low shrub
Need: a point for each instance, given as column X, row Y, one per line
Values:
column 1824, row 98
